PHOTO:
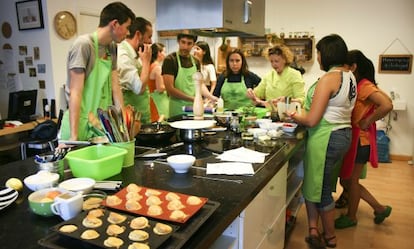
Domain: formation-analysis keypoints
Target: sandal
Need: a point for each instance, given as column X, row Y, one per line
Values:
column 344, row 222
column 328, row 241
column 342, row 201
column 379, row 218
column 314, row 241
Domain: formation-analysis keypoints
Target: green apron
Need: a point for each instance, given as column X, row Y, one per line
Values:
column 183, row 82
column 235, row 95
column 139, row 101
column 315, row 154
column 162, row 103
column 97, row 92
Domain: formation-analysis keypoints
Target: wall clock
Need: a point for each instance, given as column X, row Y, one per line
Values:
column 65, row 24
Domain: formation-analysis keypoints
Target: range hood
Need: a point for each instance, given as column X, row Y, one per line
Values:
column 214, row 18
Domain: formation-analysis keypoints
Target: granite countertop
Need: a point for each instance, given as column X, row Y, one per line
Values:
column 17, row 221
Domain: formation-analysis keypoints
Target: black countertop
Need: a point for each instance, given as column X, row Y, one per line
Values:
column 20, row 228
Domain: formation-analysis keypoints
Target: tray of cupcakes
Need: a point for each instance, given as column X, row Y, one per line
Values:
column 155, row 203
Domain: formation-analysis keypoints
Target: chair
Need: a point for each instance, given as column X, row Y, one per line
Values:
column 43, row 138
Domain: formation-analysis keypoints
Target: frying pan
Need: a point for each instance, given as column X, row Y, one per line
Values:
column 155, row 133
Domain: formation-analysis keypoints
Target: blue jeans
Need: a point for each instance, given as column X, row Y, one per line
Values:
column 338, row 145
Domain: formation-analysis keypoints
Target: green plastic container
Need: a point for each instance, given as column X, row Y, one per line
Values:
column 97, row 161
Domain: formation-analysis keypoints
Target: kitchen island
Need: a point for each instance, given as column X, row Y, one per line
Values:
column 20, row 228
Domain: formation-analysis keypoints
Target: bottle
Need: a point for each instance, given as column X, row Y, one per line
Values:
column 198, row 105
column 235, row 125
column 220, row 105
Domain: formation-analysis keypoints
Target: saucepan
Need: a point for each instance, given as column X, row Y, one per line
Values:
column 192, row 130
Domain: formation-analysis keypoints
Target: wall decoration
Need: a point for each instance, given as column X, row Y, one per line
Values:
column 29, row 14
column 396, row 64
column 22, row 50
column 36, row 53
column 32, row 72
column 42, row 84
column 41, row 68
column 7, row 46
column 29, row 61
column 21, row 66
column 6, row 30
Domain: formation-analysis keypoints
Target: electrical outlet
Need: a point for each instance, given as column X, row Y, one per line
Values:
column 392, row 93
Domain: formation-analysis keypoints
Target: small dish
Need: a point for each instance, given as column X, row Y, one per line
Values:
column 82, row 184
column 257, row 132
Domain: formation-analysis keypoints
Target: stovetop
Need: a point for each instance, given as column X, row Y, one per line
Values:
column 210, row 146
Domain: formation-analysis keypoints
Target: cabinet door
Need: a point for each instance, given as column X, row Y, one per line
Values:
column 259, row 217
column 275, row 236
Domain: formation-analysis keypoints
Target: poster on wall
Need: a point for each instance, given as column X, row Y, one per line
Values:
column 29, row 14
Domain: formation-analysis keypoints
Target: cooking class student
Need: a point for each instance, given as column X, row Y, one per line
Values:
column 159, row 101
column 203, row 55
column 234, row 83
column 282, row 81
column 177, row 71
column 93, row 80
column 134, row 57
column 328, row 105
column 372, row 104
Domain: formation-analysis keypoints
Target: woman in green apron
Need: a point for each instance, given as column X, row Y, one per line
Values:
column 328, row 106
column 233, row 83
column 92, row 71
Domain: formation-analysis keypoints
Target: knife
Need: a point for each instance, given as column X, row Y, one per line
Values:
column 170, row 147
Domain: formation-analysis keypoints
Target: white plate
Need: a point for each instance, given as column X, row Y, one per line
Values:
column 7, row 197
column 82, row 184
column 193, row 124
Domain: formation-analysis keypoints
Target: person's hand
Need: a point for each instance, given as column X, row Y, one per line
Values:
column 145, row 53
column 250, row 94
column 364, row 124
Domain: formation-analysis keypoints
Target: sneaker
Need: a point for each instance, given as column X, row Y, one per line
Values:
column 379, row 218
column 344, row 222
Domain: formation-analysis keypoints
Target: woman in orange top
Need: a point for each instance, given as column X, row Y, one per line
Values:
column 159, row 98
column 372, row 104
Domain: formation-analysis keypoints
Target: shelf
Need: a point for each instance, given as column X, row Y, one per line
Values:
column 302, row 48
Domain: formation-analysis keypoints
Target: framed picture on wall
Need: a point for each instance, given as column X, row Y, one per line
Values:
column 29, row 14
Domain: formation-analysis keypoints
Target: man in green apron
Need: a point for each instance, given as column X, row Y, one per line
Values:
column 92, row 77
column 177, row 70
column 134, row 56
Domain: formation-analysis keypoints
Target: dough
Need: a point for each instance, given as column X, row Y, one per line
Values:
column 68, row 228
column 89, row 234
column 138, row 235
column 139, row 223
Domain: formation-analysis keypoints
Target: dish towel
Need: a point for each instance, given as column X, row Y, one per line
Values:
column 230, row 168
column 243, row 154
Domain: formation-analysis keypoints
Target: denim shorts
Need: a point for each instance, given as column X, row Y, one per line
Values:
column 363, row 152
column 338, row 145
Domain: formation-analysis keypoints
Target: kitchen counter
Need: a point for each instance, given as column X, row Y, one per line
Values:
column 20, row 228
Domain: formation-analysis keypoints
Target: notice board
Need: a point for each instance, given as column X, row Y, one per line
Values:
column 397, row 63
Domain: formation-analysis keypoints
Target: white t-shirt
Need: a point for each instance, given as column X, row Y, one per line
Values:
column 209, row 74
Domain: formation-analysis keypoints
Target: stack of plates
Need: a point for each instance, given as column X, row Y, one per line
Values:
column 7, row 196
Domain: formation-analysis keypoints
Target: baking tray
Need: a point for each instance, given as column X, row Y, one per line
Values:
column 177, row 240
column 189, row 210
column 154, row 240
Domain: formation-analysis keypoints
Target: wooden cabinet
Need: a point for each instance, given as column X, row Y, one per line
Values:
column 302, row 48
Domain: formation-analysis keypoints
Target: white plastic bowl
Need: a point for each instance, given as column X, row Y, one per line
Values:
column 289, row 127
column 82, row 184
column 181, row 163
column 41, row 180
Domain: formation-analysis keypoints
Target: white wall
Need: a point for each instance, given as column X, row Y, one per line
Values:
column 368, row 25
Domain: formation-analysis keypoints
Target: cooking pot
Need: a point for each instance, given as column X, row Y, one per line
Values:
column 155, row 133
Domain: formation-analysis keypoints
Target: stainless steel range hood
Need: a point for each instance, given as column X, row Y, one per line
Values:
column 215, row 18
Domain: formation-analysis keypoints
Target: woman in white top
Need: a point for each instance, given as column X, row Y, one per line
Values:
column 202, row 53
